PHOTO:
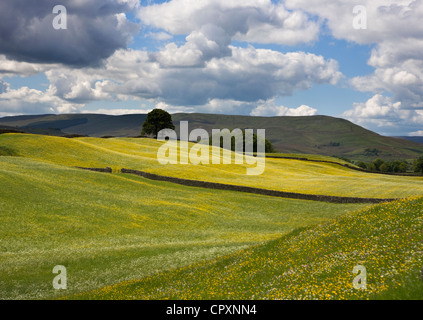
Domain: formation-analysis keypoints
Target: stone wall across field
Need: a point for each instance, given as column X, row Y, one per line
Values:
column 105, row 170
column 274, row 193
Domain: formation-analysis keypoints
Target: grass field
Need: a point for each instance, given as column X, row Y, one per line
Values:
column 280, row 174
column 111, row 228
column 310, row 263
column 122, row 236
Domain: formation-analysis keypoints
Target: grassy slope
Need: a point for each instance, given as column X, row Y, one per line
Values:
column 314, row 263
column 310, row 135
column 96, row 125
column 110, row 228
column 315, row 157
column 280, row 174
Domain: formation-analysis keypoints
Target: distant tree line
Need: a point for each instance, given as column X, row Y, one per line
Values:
column 396, row 166
column 7, row 130
column 418, row 165
column 268, row 147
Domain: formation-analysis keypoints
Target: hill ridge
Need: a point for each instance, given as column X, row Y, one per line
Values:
column 320, row 134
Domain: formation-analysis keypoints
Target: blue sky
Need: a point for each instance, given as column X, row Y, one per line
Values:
column 263, row 58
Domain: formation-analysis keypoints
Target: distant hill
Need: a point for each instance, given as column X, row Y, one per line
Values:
column 313, row 135
column 415, row 139
column 322, row 135
column 95, row 125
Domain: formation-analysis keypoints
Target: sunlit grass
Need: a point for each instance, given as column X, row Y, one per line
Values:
column 311, row 263
column 280, row 174
column 111, row 230
column 108, row 228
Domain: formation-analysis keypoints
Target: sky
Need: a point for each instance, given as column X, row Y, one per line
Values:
column 355, row 59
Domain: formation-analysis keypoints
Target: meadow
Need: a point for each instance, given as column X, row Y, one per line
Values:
column 110, row 228
column 122, row 236
column 280, row 174
column 307, row 264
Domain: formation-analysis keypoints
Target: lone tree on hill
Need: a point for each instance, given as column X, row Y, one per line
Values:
column 157, row 120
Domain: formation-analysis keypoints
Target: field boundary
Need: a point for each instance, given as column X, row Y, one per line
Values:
column 267, row 192
column 105, row 170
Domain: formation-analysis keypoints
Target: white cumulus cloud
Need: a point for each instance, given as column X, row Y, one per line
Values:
column 271, row 109
column 260, row 21
column 384, row 114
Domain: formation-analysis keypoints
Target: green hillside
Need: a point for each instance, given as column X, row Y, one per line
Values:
column 108, row 228
column 321, row 135
column 313, row 135
column 287, row 175
column 311, row 263
column 95, row 125
column 123, row 236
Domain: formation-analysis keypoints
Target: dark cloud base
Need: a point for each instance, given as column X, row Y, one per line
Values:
column 93, row 32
